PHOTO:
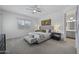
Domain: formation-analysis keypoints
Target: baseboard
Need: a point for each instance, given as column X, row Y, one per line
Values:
column 15, row 37
column 2, row 52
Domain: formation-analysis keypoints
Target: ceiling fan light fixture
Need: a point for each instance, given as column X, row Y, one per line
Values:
column 34, row 11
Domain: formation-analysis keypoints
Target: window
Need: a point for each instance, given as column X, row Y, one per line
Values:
column 24, row 24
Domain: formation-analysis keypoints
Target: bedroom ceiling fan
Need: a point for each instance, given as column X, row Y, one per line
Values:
column 34, row 9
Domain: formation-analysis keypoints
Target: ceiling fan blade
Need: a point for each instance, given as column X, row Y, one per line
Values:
column 34, row 9
column 29, row 8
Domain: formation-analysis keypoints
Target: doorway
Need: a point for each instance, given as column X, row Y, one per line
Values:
column 70, row 26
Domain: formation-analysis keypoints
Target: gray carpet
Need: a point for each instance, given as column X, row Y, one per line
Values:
column 19, row 46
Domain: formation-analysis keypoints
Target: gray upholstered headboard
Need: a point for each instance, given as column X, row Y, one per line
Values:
column 47, row 27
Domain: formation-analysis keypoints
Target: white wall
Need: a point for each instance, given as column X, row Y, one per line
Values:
column 0, row 22
column 56, row 18
column 10, row 27
column 10, row 22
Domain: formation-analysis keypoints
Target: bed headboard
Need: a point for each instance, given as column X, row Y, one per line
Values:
column 47, row 27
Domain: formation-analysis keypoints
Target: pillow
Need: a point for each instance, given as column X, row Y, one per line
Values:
column 40, row 30
column 33, row 35
column 30, row 35
column 36, row 36
column 41, row 36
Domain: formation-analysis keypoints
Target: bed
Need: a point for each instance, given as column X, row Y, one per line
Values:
column 40, row 35
column 36, row 37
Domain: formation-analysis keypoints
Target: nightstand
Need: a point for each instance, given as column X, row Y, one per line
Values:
column 55, row 36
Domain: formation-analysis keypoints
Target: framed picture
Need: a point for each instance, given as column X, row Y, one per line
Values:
column 46, row 22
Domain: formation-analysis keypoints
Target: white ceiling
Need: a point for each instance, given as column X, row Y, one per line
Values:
column 46, row 9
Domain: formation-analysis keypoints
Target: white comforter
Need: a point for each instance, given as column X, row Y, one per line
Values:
column 36, row 37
